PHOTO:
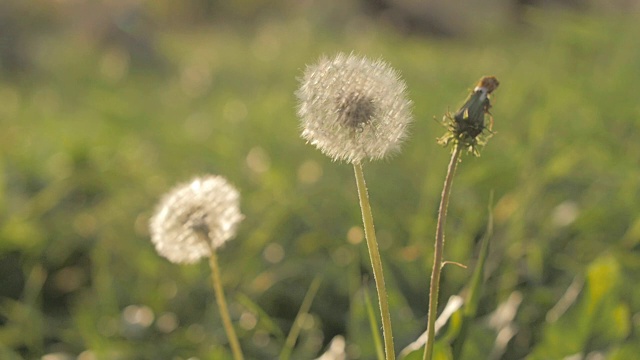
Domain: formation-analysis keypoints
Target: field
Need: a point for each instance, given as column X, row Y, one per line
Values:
column 95, row 133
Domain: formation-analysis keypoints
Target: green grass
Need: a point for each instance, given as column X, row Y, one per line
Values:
column 85, row 154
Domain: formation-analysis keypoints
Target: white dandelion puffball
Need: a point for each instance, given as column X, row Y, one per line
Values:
column 352, row 108
column 194, row 218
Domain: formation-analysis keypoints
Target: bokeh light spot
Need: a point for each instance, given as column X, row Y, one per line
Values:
column 198, row 126
column 234, row 111
column 258, row 160
column 138, row 315
column 57, row 356
column 309, row 172
column 261, row 339
column 167, row 322
column 355, row 235
column 273, row 253
column 87, row 355
column 85, row 224
column 196, row 333
column 169, row 289
column 114, row 65
column 565, row 213
column 248, row 321
column 195, row 78
column 69, row 279
column 107, row 326
column 342, row 256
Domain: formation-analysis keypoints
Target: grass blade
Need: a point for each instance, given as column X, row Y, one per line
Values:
column 285, row 354
column 375, row 333
column 475, row 286
column 264, row 320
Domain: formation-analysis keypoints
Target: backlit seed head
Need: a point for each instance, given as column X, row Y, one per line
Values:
column 195, row 218
column 352, row 108
column 355, row 110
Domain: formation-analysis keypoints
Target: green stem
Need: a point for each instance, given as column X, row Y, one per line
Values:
column 373, row 323
column 222, row 305
column 376, row 263
column 434, row 288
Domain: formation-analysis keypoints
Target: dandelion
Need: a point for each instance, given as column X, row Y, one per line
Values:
column 195, row 218
column 192, row 221
column 354, row 109
column 465, row 128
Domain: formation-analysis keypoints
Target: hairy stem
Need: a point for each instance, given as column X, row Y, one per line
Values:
column 222, row 306
column 434, row 288
column 376, row 263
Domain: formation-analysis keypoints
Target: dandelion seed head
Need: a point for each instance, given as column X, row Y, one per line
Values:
column 352, row 108
column 194, row 218
column 355, row 110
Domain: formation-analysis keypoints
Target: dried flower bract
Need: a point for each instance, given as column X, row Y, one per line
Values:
column 353, row 108
column 194, row 218
column 466, row 127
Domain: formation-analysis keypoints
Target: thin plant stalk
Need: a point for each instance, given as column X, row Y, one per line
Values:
column 434, row 288
column 285, row 354
column 373, row 322
column 222, row 306
column 376, row 262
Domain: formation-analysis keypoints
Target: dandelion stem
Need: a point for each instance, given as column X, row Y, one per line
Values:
column 222, row 306
column 434, row 288
column 376, row 263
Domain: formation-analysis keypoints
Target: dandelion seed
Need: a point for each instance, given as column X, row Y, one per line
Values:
column 352, row 108
column 195, row 218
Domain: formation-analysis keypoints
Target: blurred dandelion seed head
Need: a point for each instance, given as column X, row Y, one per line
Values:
column 352, row 108
column 194, row 218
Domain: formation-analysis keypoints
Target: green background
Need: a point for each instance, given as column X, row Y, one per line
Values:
column 105, row 106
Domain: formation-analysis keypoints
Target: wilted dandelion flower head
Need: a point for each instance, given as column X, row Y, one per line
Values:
column 195, row 218
column 353, row 108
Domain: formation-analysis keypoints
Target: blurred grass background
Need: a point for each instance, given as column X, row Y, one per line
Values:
column 106, row 105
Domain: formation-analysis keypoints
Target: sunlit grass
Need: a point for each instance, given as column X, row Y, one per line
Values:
column 84, row 158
